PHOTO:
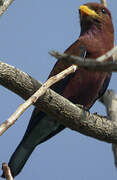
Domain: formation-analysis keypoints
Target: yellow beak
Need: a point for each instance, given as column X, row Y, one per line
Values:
column 86, row 10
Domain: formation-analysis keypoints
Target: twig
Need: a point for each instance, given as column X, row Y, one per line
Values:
column 12, row 119
column 4, row 7
column 7, row 171
column 104, row 2
column 98, row 64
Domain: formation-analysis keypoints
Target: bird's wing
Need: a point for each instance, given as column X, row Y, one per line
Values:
column 77, row 48
column 41, row 126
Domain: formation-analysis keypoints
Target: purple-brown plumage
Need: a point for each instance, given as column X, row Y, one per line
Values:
column 85, row 87
column 82, row 87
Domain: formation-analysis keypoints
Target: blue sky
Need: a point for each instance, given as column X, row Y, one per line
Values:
column 28, row 30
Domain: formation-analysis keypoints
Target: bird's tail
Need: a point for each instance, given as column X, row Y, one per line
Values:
column 38, row 131
column 19, row 158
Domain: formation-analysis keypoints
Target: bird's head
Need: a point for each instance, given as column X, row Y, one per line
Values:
column 95, row 14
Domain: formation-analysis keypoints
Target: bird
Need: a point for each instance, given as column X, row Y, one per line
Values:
column 81, row 87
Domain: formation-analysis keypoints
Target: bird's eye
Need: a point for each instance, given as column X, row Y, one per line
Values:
column 103, row 11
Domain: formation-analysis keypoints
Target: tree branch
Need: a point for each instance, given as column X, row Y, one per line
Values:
column 58, row 107
column 7, row 171
column 104, row 2
column 98, row 64
column 4, row 4
column 110, row 101
column 12, row 119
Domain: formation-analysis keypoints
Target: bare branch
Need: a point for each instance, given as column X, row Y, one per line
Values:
column 7, row 171
column 57, row 106
column 110, row 101
column 110, row 53
column 12, row 119
column 104, row 2
column 5, row 5
column 98, row 64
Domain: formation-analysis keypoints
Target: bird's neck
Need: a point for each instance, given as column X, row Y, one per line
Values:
column 99, row 36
